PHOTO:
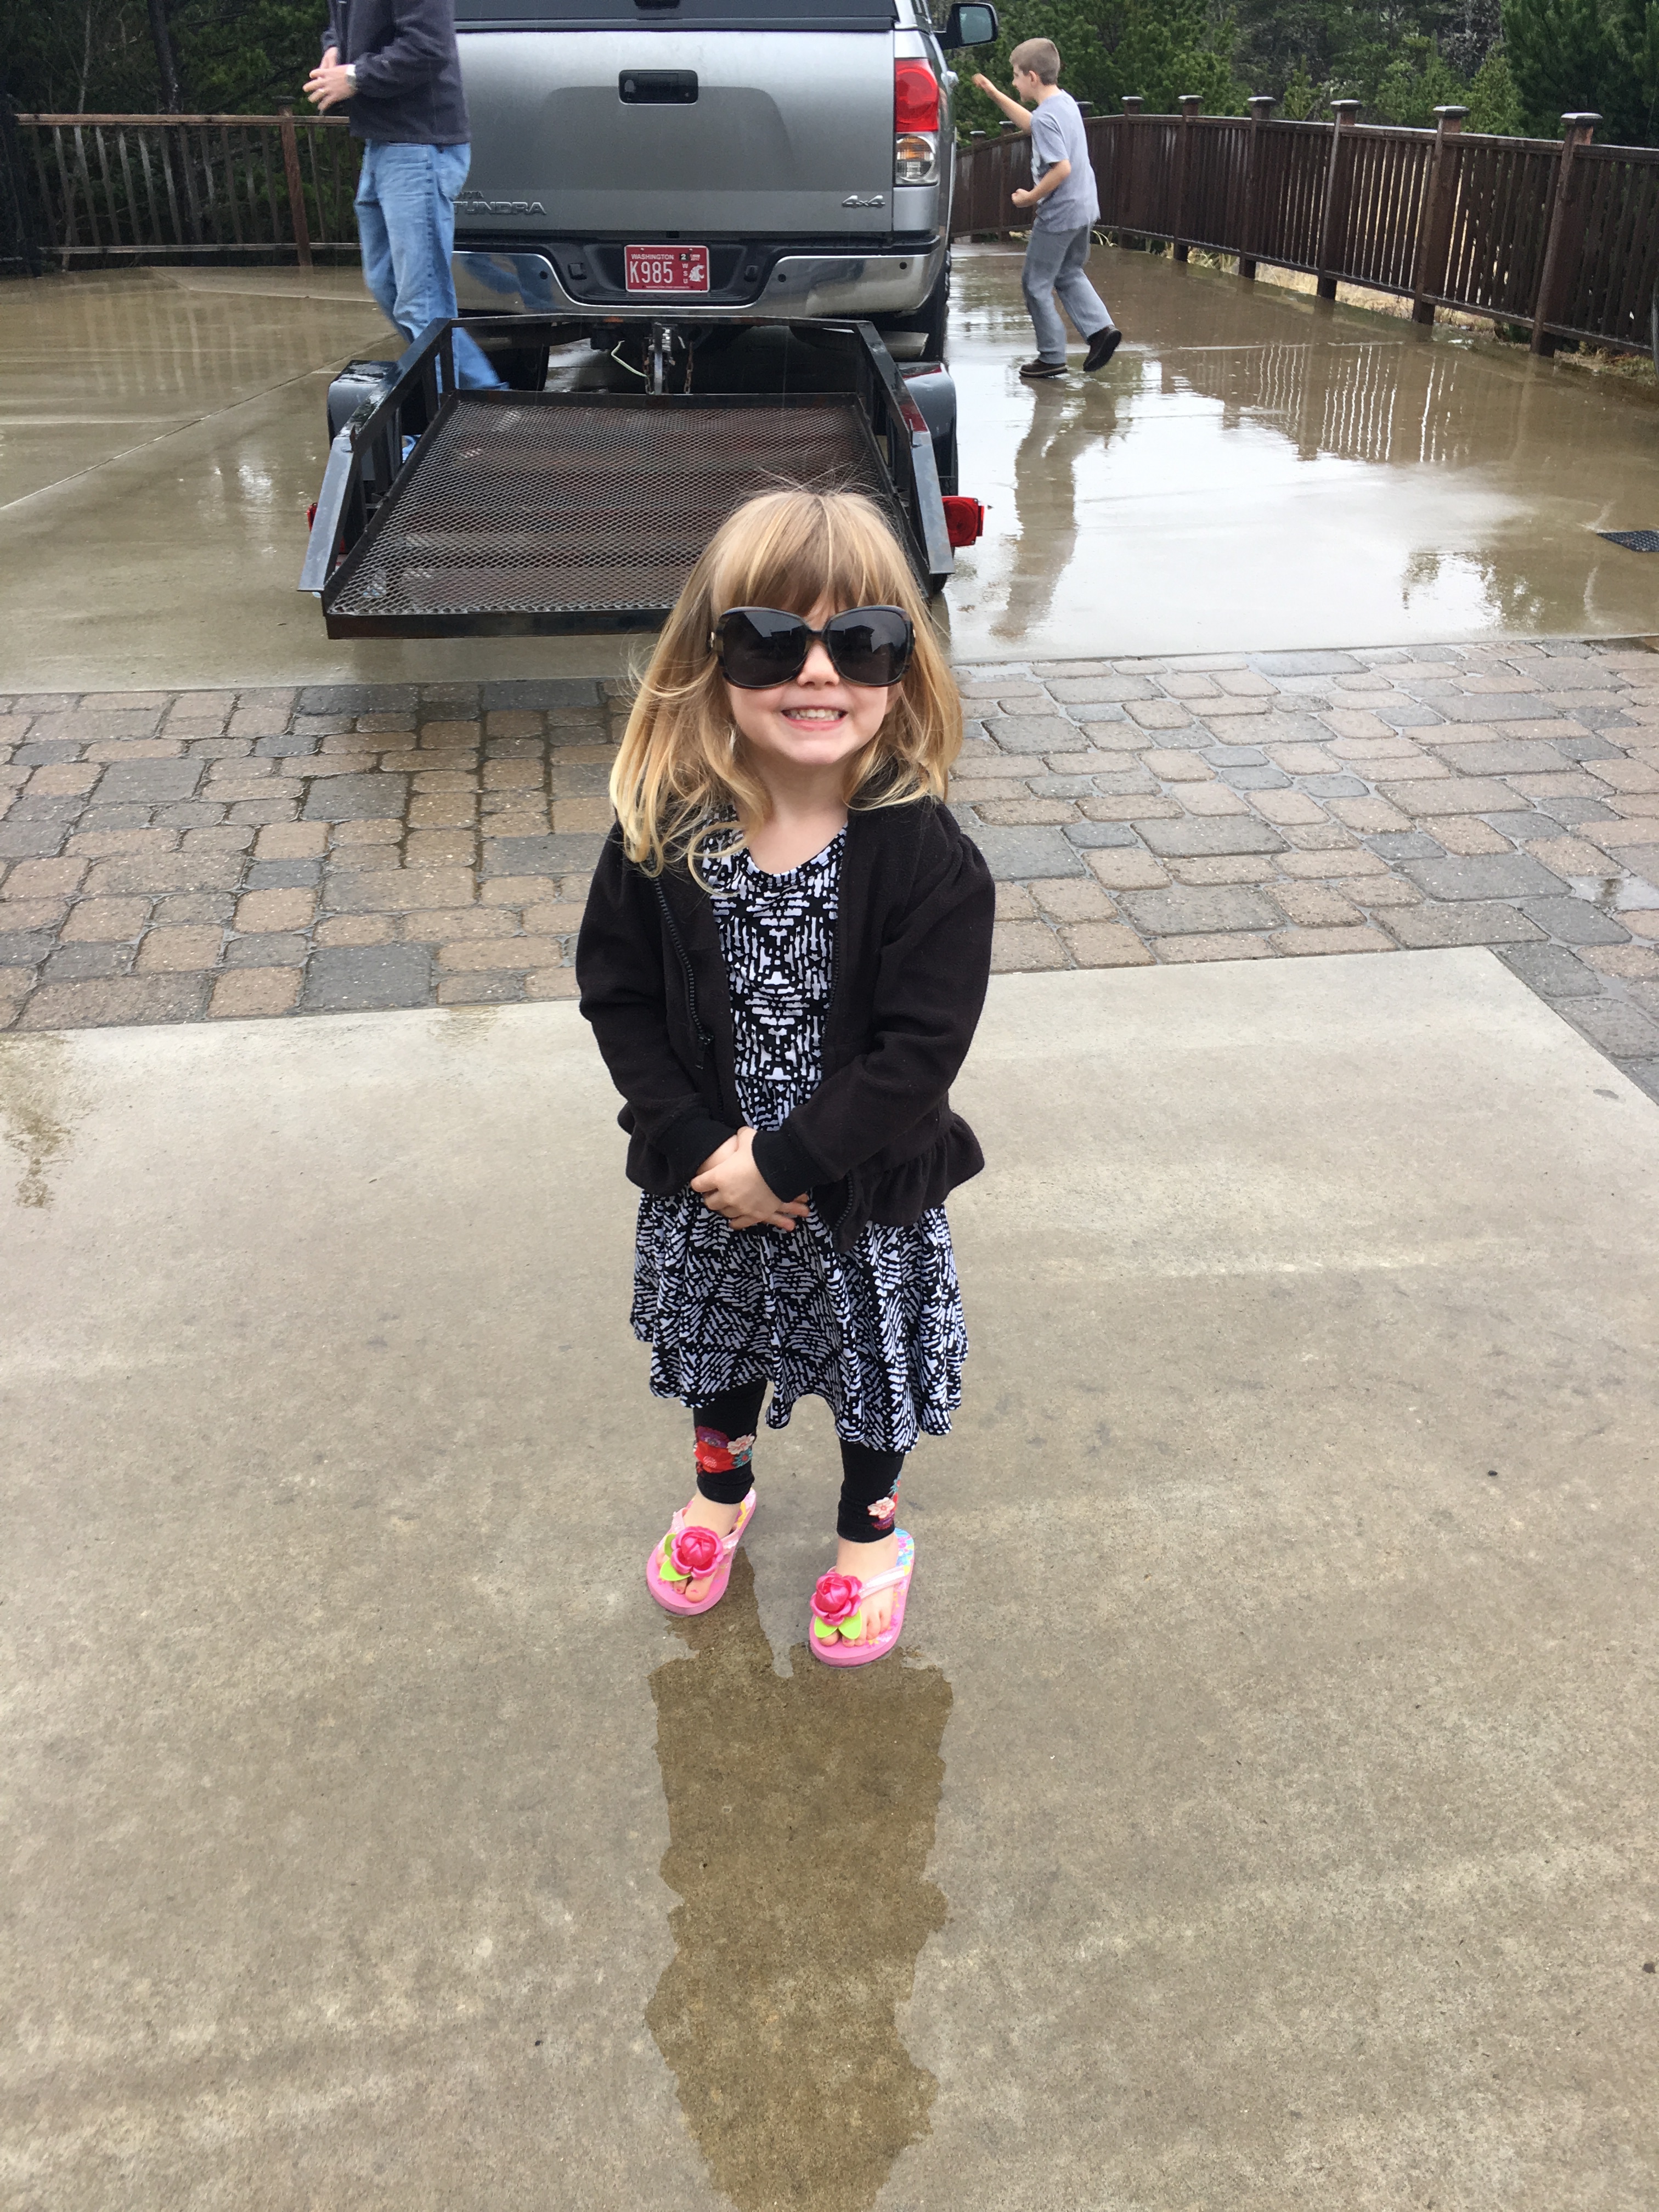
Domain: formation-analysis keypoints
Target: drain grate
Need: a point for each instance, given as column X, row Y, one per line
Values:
column 553, row 504
column 1634, row 541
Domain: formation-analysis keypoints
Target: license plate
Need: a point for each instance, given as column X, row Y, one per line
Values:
column 667, row 268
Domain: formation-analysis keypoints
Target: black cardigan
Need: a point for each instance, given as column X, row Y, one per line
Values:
column 877, row 1140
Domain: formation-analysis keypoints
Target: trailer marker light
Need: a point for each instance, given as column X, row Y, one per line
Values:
column 964, row 519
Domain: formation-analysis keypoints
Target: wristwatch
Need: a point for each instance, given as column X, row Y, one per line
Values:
column 351, row 75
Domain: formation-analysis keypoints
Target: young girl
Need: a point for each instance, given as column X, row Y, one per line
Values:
column 784, row 956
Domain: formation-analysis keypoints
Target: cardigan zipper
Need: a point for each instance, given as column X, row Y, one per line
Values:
column 704, row 1040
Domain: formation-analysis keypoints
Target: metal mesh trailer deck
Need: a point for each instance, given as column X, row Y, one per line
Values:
column 534, row 512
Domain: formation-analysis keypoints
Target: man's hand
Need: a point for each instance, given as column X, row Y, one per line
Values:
column 730, row 1183
column 328, row 83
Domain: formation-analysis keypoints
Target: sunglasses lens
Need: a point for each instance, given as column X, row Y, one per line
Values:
column 870, row 645
column 759, row 646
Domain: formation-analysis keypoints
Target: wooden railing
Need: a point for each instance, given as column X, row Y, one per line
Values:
column 101, row 188
column 1560, row 237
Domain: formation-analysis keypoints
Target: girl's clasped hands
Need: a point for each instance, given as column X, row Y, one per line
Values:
column 730, row 1183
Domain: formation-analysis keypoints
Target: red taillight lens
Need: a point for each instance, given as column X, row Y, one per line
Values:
column 964, row 519
column 915, row 97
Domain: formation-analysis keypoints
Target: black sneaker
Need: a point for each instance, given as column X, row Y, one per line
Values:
column 1035, row 371
column 1102, row 347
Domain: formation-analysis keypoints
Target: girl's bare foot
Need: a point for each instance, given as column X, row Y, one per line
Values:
column 704, row 1513
column 866, row 1561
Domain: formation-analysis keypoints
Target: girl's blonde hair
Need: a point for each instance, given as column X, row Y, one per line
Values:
column 682, row 773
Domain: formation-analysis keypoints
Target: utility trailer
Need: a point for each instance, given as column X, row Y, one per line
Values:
column 528, row 512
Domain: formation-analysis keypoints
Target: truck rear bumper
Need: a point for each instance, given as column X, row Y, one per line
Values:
column 837, row 285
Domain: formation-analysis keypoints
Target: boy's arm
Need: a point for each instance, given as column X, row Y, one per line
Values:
column 1010, row 108
column 1053, row 179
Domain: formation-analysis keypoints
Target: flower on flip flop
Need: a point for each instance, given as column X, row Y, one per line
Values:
column 719, row 1455
column 693, row 1552
column 836, row 1599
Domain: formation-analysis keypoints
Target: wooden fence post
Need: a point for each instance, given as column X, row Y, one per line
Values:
column 1565, row 231
column 1189, row 104
column 1129, row 157
column 1261, row 106
column 1336, row 195
column 296, row 193
column 1434, row 226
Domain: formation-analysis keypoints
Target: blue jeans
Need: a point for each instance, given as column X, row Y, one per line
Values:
column 1054, row 262
column 406, row 224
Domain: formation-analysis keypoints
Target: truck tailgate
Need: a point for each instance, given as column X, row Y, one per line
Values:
column 787, row 128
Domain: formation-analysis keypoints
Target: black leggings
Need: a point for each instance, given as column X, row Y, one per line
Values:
column 869, row 1480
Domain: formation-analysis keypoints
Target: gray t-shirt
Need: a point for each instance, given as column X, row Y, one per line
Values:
column 1057, row 134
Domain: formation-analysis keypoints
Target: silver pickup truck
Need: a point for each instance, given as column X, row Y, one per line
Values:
column 713, row 157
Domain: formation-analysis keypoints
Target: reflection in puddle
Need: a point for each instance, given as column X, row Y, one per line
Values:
column 800, row 1815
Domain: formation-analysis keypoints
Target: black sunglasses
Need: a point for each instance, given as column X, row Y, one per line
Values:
column 759, row 646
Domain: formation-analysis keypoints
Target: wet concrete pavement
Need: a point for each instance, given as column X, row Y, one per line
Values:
column 1261, row 1818
column 1255, row 470
column 1258, row 466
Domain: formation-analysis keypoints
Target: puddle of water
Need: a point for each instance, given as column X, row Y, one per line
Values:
column 39, row 1106
column 800, row 1811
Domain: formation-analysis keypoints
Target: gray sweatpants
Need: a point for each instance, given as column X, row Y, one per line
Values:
column 1054, row 268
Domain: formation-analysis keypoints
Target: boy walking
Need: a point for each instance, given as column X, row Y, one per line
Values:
column 1067, row 206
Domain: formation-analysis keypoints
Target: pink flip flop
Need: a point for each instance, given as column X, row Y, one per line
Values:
column 687, row 1555
column 838, row 1610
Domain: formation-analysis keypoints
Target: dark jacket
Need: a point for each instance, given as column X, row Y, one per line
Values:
column 877, row 1140
column 408, row 70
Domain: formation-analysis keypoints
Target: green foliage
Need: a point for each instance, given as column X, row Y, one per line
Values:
column 1301, row 97
column 1417, row 81
column 1493, row 104
column 98, row 56
column 1595, row 56
column 1157, row 49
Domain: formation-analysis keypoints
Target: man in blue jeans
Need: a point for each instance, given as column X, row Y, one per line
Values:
column 395, row 63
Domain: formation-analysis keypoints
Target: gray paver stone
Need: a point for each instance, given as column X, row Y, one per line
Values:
column 561, row 854
column 1014, row 856
column 286, row 949
column 73, row 963
column 1183, row 837
column 291, row 746
column 1094, row 835
column 1505, row 757
column 46, row 752
column 1032, row 733
column 1404, row 845
column 1574, row 922
column 1571, row 811
column 282, row 875
column 1586, row 748
column 1402, row 713
column 547, row 691
column 1255, row 779
column 1553, row 971
column 1332, row 786
column 355, row 978
column 1533, row 824
column 1236, row 756
column 1484, row 876
column 1184, row 910
column 150, row 780
column 1615, row 1025
column 1464, row 922
column 29, row 841
column 358, row 699
column 1105, row 690
column 356, row 798
column 24, row 948
column 1305, row 664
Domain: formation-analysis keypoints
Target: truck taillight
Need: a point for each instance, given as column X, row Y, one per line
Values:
column 915, row 98
column 916, row 158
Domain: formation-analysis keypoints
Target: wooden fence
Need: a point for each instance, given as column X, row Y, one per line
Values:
column 113, row 188
column 1560, row 237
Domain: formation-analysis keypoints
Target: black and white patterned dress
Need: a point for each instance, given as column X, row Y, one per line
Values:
column 877, row 1332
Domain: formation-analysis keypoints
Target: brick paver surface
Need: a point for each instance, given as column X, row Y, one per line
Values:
column 170, row 856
